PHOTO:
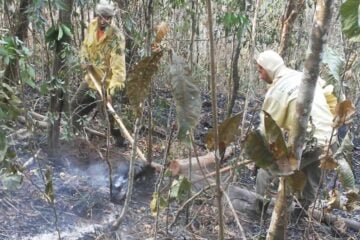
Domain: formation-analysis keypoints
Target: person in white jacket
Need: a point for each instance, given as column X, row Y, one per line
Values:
column 280, row 103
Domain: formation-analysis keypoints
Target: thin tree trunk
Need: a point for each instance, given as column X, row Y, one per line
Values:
column 277, row 228
column 292, row 10
column 311, row 73
column 235, row 78
column 20, row 31
column 215, row 121
column 304, row 104
column 57, row 95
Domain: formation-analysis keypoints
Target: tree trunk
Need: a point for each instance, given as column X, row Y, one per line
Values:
column 311, row 73
column 20, row 31
column 235, row 78
column 57, row 95
column 292, row 10
column 277, row 228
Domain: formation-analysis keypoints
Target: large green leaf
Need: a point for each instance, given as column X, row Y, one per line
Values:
column 257, row 149
column 334, row 62
column 350, row 19
column 228, row 131
column 3, row 145
column 11, row 180
column 180, row 188
column 343, row 156
column 139, row 79
column 186, row 94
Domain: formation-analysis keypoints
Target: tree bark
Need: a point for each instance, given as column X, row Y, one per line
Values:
column 277, row 228
column 311, row 73
column 20, row 31
column 215, row 120
column 292, row 10
column 235, row 78
column 57, row 95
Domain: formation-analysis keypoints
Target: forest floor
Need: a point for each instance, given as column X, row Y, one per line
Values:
column 82, row 206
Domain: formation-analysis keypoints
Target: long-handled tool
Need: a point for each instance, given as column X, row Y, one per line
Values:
column 123, row 129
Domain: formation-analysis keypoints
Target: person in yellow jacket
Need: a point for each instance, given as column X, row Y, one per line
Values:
column 102, row 51
column 280, row 103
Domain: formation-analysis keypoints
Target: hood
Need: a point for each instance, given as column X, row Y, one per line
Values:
column 271, row 62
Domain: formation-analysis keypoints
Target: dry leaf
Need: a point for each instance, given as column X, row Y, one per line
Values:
column 174, row 168
column 327, row 162
column 297, row 182
column 161, row 30
column 228, row 131
column 353, row 201
column 275, row 138
column 340, row 226
column 334, row 200
column 344, row 112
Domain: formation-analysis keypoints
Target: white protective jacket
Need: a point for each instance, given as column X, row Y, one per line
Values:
column 280, row 103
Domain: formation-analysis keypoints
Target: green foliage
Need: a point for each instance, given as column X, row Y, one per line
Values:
column 180, row 188
column 11, row 180
column 12, row 49
column 9, row 103
column 335, row 63
column 233, row 22
column 350, row 19
column 58, row 34
column 268, row 148
column 257, row 149
column 186, row 94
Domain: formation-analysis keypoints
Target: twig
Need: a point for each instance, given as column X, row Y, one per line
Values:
column 225, row 169
column 187, row 202
column 242, row 234
column 118, row 221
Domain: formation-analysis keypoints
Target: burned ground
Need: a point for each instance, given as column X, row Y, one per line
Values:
column 82, row 207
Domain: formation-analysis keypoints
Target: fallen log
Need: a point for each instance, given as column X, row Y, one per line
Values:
column 331, row 219
column 36, row 123
column 181, row 166
column 243, row 201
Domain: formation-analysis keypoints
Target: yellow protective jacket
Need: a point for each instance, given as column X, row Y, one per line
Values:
column 280, row 103
column 107, row 52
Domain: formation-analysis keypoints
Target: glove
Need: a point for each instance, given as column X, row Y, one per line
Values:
column 114, row 88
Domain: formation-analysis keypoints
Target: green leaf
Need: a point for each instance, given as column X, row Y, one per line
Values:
column 156, row 197
column 139, row 80
column 228, row 132
column 334, row 62
column 11, row 180
column 51, row 34
column 343, row 156
column 180, row 188
column 257, row 149
column 60, row 33
column 67, row 31
column 3, row 145
column 186, row 94
column 350, row 19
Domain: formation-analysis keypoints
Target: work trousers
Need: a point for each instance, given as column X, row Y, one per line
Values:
column 83, row 102
column 266, row 182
